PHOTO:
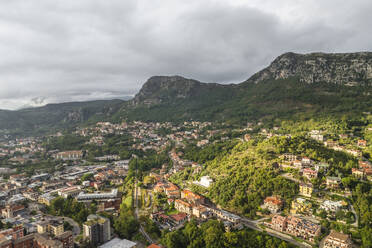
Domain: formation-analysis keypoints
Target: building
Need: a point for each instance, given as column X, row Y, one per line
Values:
column 97, row 230
column 66, row 239
column 69, row 192
column 337, row 240
column 46, row 199
column 309, row 173
column 179, row 218
column 192, row 197
column 358, row 173
column 11, row 211
column 69, row 155
column 298, row 227
column 333, row 182
column 300, row 205
column 224, row 215
column 278, row 222
column 205, row 181
column 302, row 228
column 331, row 206
column 99, row 196
column 362, row 143
column 54, row 227
column 306, row 189
column 44, row 241
column 288, row 157
column 183, row 206
column 273, row 203
column 322, row 165
column 119, row 243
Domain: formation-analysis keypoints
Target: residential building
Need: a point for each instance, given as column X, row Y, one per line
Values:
column 300, row 205
column 306, row 189
column 96, row 229
column 295, row 226
column 183, row 206
column 337, row 240
column 309, row 173
column 333, row 182
column 54, row 227
column 192, row 197
column 332, row 206
column 273, row 203
column 69, row 155
column 11, row 211
column 46, row 199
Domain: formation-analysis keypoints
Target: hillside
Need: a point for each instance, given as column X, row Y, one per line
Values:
column 53, row 116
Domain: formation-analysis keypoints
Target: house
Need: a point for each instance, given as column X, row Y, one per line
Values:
column 183, row 206
column 172, row 191
column 321, row 165
column 362, row 143
column 333, row 182
column 273, row 203
column 337, row 240
column 306, row 161
column 331, row 206
column 205, row 181
column 279, row 223
column 179, row 218
column 288, row 157
column 358, row 173
column 192, row 197
column 306, row 189
column 300, row 205
column 309, row 173
column 198, row 210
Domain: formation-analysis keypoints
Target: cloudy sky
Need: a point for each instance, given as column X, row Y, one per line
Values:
column 68, row 50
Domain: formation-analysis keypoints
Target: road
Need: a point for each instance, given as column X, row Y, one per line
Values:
column 75, row 226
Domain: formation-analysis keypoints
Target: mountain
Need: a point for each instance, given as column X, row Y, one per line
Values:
column 293, row 86
column 315, row 84
column 339, row 68
column 54, row 116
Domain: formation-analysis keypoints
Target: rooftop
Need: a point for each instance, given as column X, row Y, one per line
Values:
column 118, row 243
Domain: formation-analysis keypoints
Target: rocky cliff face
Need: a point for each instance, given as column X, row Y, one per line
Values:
column 166, row 89
column 339, row 68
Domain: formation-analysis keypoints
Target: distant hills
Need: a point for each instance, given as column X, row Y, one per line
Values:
column 55, row 116
column 292, row 86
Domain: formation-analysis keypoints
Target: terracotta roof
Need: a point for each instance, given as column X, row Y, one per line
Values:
column 178, row 217
column 154, row 246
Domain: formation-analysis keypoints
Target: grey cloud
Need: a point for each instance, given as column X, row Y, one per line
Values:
column 95, row 49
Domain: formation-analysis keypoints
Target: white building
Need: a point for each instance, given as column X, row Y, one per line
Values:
column 205, row 181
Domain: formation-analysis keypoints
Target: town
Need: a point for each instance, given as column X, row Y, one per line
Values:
column 133, row 183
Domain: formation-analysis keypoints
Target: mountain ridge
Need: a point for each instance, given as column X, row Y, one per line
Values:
column 309, row 84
